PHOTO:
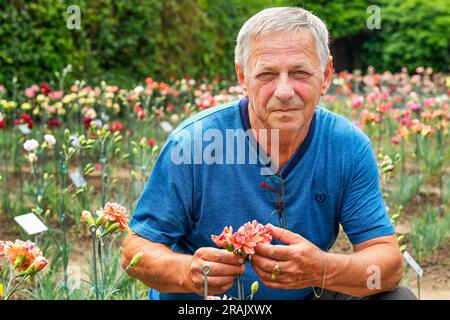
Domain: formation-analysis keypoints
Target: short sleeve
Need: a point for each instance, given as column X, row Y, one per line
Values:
column 363, row 215
column 163, row 211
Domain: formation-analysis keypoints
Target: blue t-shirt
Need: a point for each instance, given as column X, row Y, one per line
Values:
column 332, row 179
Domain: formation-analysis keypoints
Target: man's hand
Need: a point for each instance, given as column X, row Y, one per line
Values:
column 225, row 266
column 301, row 263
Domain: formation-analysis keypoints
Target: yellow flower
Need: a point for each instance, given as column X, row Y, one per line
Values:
column 40, row 98
column 26, row 106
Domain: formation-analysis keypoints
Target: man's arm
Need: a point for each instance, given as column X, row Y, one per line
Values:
column 167, row 271
column 356, row 274
column 302, row 264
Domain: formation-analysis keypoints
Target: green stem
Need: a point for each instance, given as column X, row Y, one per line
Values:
column 116, row 282
column 94, row 260
column 102, row 271
column 240, row 285
column 62, row 219
column 8, row 295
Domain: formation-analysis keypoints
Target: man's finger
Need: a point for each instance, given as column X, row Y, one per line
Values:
column 274, row 252
column 221, row 256
column 284, row 235
column 267, row 264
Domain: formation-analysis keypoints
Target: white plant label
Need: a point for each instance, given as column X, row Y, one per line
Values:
column 413, row 263
column 24, row 129
column 77, row 179
column 167, row 127
column 31, row 223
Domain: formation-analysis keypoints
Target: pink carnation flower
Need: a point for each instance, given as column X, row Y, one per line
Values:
column 224, row 240
column 245, row 239
column 22, row 254
column 115, row 213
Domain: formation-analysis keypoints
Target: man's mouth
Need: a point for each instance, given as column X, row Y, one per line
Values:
column 285, row 110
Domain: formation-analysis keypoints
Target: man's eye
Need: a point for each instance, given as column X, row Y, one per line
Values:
column 302, row 74
column 266, row 75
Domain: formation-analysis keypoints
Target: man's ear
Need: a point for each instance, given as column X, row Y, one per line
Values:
column 328, row 74
column 241, row 78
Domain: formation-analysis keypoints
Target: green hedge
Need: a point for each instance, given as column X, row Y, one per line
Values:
column 123, row 41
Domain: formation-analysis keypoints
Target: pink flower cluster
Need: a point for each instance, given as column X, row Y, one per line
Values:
column 245, row 239
column 23, row 256
column 114, row 213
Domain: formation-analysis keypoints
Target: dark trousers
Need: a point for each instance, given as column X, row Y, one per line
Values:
column 401, row 293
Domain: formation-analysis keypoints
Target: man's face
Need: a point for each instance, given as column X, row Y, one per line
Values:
column 283, row 79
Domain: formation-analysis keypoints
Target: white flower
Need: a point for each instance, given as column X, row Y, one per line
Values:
column 97, row 123
column 30, row 145
column 50, row 139
column 74, row 141
column 139, row 89
column 174, row 118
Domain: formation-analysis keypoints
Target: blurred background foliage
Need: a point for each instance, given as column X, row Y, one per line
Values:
column 124, row 41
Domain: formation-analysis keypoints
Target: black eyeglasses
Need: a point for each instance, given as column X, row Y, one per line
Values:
column 274, row 185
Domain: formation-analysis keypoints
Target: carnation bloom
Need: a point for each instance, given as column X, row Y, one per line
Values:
column 114, row 213
column 31, row 145
column 250, row 235
column 21, row 254
column 116, row 126
column 50, row 139
column 245, row 239
column 224, row 239
column 53, row 123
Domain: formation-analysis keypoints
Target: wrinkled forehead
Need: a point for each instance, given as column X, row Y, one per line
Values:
column 296, row 47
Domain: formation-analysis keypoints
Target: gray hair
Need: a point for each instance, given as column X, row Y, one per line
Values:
column 281, row 19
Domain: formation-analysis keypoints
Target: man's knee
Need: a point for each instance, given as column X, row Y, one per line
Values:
column 401, row 293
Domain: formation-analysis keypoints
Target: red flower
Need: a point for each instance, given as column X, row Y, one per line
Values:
column 45, row 88
column 115, row 126
column 87, row 122
column 25, row 119
column 2, row 124
column 169, row 107
column 53, row 123
column 151, row 142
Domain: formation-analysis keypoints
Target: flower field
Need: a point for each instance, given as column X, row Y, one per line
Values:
column 78, row 157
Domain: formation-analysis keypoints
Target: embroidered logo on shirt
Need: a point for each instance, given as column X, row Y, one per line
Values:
column 321, row 197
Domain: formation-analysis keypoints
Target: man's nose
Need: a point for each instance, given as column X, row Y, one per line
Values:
column 284, row 90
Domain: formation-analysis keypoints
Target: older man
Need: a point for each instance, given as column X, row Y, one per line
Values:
column 323, row 174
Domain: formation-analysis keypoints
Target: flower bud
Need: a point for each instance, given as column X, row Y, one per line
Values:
column 38, row 264
column 20, row 260
column 114, row 227
column 136, row 259
column 255, row 287
column 99, row 221
column 86, row 216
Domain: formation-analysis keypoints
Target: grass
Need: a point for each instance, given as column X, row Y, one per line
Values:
column 428, row 232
